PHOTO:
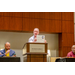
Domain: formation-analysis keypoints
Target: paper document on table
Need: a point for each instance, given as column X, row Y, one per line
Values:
column 41, row 38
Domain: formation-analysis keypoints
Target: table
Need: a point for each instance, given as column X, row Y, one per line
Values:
column 9, row 59
column 65, row 60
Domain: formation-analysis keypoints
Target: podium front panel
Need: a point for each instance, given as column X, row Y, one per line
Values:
column 37, row 48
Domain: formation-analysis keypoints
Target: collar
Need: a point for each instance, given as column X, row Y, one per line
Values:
column 6, row 50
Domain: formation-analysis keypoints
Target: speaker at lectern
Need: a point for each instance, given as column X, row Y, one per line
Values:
column 35, row 52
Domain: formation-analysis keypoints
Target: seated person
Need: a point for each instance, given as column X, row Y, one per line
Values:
column 33, row 38
column 7, row 51
column 72, row 53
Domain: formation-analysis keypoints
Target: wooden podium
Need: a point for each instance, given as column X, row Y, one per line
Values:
column 36, row 52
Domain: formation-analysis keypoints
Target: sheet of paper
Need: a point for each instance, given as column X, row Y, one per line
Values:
column 41, row 38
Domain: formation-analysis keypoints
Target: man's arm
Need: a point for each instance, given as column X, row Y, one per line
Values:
column 4, row 54
column 30, row 40
column 1, row 55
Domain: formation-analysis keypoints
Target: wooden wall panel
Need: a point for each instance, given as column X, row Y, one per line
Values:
column 31, row 26
column 52, row 15
column 70, row 39
column 68, row 26
column 52, row 26
column 26, row 24
column 72, row 27
column 67, row 32
column 18, row 24
column 60, row 51
column 58, row 26
column 47, row 25
column 67, row 39
column 67, row 16
column 11, row 14
column 31, row 14
column 15, row 24
column 47, row 15
column 39, row 19
column 65, row 44
column 18, row 14
column 12, row 24
column 1, row 23
column 65, row 51
column 42, row 25
column 6, row 14
column 36, row 15
column 69, row 49
column 55, row 26
column 55, row 15
column 33, row 23
column 1, row 14
column 41, row 15
column 36, row 23
column 5, row 23
column 60, row 44
column 60, row 39
column 26, row 14
column 64, row 39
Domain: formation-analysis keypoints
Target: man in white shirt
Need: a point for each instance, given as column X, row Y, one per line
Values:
column 34, row 37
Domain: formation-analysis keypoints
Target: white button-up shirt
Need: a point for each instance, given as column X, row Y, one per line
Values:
column 31, row 39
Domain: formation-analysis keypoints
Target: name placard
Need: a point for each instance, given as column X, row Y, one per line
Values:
column 37, row 48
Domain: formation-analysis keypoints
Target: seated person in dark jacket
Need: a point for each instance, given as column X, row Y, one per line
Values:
column 7, row 51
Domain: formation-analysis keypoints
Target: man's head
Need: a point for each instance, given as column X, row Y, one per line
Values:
column 36, row 31
column 7, row 45
column 73, row 49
